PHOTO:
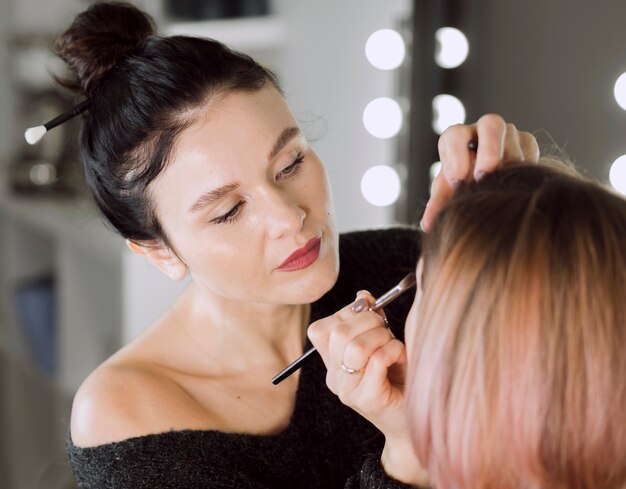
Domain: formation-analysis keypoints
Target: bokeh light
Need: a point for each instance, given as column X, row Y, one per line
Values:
column 385, row 49
column 447, row 110
column 619, row 90
column 617, row 174
column 380, row 185
column 452, row 47
column 382, row 117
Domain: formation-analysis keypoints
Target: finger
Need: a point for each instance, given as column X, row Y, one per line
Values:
column 512, row 151
column 358, row 350
column 340, row 335
column 319, row 331
column 383, row 316
column 457, row 161
column 363, row 301
column 440, row 193
column 391, row 353
column 374, row 384
column 491, row 132
column 343, row 334
column 529, row 146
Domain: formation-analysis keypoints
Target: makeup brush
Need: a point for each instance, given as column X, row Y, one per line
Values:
column 405, row 284
column 34, row 134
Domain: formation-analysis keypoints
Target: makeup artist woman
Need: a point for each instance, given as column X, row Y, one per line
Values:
column 192, row 154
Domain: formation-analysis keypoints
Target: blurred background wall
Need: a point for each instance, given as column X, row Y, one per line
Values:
column 70, row 292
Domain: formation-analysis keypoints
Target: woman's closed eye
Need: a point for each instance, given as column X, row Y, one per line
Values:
column 292, row 169
column 231, row 215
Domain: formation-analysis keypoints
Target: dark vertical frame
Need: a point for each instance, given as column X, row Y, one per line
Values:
column 424, row 85
column 427, row 80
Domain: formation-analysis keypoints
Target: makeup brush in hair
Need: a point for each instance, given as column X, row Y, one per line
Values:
column 405, row 284
column 34, row 134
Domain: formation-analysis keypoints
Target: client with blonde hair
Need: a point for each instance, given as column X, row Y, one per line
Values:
column 516, row 341
column 517, row 337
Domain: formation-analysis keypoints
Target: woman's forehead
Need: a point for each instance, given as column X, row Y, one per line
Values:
column 236, row 121
column 234, row 140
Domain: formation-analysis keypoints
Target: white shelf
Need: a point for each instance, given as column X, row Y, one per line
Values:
column 67, row 239
column 252, row 34
column 62, row 218
column 106, row 295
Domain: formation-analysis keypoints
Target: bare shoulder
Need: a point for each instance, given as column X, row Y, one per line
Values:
column 122, row 400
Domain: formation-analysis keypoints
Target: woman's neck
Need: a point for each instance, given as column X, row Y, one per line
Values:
column 257, row 335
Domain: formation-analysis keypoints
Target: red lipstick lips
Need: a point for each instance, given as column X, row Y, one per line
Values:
column 302, row 257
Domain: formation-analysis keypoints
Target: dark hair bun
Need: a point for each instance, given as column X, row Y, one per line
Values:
column 98, row 39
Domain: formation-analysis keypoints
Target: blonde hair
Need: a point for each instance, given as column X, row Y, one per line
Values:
column 518, row 365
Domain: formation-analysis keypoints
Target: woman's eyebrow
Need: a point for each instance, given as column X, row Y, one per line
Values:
column 212, row 196
column 287, row 135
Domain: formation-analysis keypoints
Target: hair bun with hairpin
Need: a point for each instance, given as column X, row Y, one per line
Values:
column 98, row 39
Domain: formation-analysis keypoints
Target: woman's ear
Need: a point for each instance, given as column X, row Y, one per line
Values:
column 161, row 256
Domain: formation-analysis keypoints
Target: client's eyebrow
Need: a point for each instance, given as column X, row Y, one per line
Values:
column 212, row 196
column 287, row 135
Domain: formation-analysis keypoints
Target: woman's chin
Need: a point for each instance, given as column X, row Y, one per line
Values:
column 310, row 287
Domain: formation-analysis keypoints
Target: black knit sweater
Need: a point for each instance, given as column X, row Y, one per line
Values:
column 326, row 444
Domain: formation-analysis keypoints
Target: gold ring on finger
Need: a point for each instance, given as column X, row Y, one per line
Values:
column 349, row 370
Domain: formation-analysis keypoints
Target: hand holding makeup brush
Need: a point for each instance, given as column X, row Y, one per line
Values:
column 366, row 370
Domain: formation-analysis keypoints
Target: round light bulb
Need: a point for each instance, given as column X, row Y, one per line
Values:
column 617, row 174
column 447, row 110
column 619, row 90
column 452, row 47
column 385, row 49
column 382, row 118
column 380, row 185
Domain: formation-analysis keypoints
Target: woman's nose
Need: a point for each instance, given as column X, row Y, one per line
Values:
column 284, row 216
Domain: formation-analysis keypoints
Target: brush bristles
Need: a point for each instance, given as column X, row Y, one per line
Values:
column 408, row 281
column 34, row 134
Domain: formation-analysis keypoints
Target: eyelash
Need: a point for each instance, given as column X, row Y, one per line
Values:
column 233, row 214
column 294, row 168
